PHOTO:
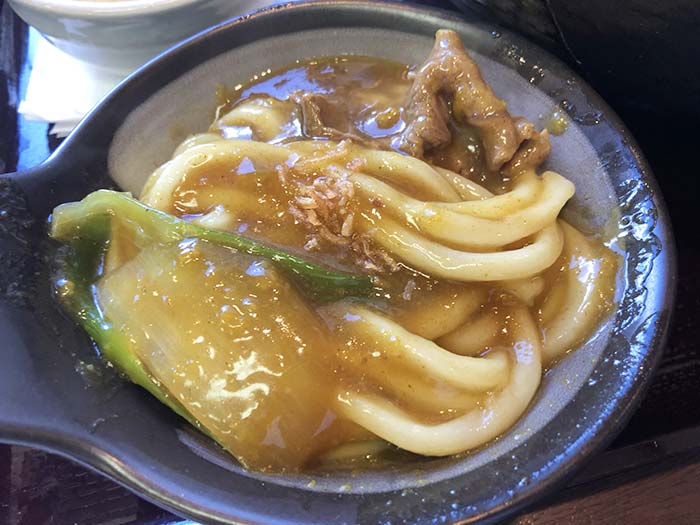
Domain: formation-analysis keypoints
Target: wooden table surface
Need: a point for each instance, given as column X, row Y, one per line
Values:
column 667, row 497
column 651, row 474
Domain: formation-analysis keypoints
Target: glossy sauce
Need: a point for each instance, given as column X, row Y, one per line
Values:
column 364, row 94
column 262, row 366
column 366, row 97
column 235, row 343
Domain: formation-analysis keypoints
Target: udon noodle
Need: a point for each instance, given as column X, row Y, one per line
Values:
column 416, row 179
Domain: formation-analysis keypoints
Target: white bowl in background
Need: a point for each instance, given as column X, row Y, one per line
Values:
column 123, row 34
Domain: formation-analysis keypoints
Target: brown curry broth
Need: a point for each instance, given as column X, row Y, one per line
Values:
column 366, row 92
column 260, row 206
column 363, row 90
column 249, row 358
column 366, row 97
column 235, row 343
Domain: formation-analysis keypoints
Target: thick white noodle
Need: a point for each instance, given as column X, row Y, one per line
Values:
column 473, row 337
column 527, row 290
column 420, row 391
column 453, row 224
column 197, row 140
column 466, row 228
column 407, row 172
column 480, row 425
column 441, row 311
column 468, row 190
column 440, row 261
column 159, row 192
column 354, row 449
column 526, row 190
column 217, row 219
column 266, row 117
column 469, row 373
column 566, row 323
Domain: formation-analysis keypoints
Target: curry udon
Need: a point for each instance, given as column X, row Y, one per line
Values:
column 356, row 253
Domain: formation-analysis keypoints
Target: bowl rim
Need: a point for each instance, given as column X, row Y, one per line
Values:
column 619, row 411
column 104, row 10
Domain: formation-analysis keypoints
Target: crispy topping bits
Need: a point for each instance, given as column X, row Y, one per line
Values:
column 322, row 197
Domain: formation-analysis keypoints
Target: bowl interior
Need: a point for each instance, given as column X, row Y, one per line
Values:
column 187, row 106
column 119, row 429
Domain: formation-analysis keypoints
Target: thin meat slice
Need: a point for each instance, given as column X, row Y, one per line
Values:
column 533, row 152
column 450, row 74
column 325, row 118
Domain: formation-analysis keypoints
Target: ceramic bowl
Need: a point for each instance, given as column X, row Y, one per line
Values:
column 55, row 392
column 123, row 34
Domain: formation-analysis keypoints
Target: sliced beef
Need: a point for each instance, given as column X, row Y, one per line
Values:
column 324, row 118
column 530, row 155
column 450, row 75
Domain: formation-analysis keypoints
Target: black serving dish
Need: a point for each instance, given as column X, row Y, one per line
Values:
column 56, row 394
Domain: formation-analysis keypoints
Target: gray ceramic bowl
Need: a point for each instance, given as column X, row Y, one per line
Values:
column 55, row 393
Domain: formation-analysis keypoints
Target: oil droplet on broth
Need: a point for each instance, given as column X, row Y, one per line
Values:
column 556, row 122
